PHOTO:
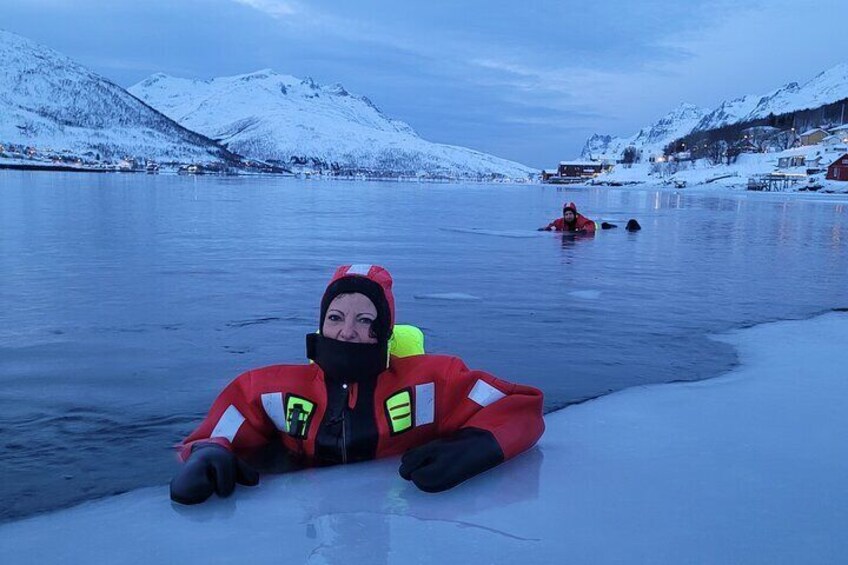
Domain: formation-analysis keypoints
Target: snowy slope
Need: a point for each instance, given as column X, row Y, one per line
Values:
column 729, row 112
column 649, row 140
column 825, row 88
column 786, row 98
column 279, row 118
column 746, row 468
column 50, row 102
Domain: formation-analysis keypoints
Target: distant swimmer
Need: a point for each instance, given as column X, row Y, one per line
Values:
column 571, row 221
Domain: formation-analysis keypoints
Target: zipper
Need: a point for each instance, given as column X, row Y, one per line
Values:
column 344, row 426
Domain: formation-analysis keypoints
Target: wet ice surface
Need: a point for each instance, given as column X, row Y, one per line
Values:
column 128, row 302
column 744, row 468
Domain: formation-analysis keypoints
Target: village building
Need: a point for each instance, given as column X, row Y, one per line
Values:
column 127, row 164
column 745, row 145
column 832, row 140
column 765, row 138
column 549, row 172
column 838, row 170
column 813, row 136
column 841, row 131
column 814, row 165
column 582, row 169
column 790, row 161
column 681, row 156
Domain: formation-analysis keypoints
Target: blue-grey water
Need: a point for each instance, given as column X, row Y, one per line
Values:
column 128, row 301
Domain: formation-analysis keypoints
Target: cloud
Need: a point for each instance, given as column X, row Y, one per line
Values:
column 273, row 8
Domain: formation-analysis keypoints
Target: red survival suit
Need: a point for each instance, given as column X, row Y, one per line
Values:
column 329, row 418
column 581, row 223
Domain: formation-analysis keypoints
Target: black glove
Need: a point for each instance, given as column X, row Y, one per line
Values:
column 444, row 463
column 210, row 468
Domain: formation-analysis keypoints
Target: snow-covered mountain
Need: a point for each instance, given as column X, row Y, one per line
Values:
column 50, row 102
column 825, row 88
column 728, row 112
column 288, row 121
column 649, row 140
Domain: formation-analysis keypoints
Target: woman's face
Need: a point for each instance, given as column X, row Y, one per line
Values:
column 349, row 318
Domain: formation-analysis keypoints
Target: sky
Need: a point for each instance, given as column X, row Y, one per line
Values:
column 525, row 80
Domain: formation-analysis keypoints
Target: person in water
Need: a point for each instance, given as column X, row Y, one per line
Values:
column 571, row 221
column 357, row 401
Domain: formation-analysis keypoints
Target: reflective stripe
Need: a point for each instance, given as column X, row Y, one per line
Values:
column 229, row 424
column 484, row 394
column 272, row 402
column 359, row 270
column 425, row 404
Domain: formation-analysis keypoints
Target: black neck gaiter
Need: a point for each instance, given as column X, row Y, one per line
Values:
column 347, row 362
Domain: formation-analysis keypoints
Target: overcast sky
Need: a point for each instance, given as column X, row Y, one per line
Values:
column 526, row 80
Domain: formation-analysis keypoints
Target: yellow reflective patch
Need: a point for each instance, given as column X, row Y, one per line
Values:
column 298, row 415
column 399, row 411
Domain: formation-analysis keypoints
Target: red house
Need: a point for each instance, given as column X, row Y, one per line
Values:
column 838, row 170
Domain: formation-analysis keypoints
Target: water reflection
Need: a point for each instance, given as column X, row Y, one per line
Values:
column 361, row 530
column 571, row 239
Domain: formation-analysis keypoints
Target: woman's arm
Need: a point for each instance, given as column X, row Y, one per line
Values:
column 482, row 422
column 236, row 420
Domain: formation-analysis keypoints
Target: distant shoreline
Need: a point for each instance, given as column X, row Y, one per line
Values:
column 242, row 173
column 59, row 168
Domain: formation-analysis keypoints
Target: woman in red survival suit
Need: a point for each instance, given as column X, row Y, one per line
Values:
column 358, row 402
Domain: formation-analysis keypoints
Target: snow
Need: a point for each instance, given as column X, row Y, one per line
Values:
column 703, row 175
column 58, row 106
column 50, row 102
column 650, row 140
column 729, row 113
column 279, row 118
column 747, row 468
column 825, row 88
